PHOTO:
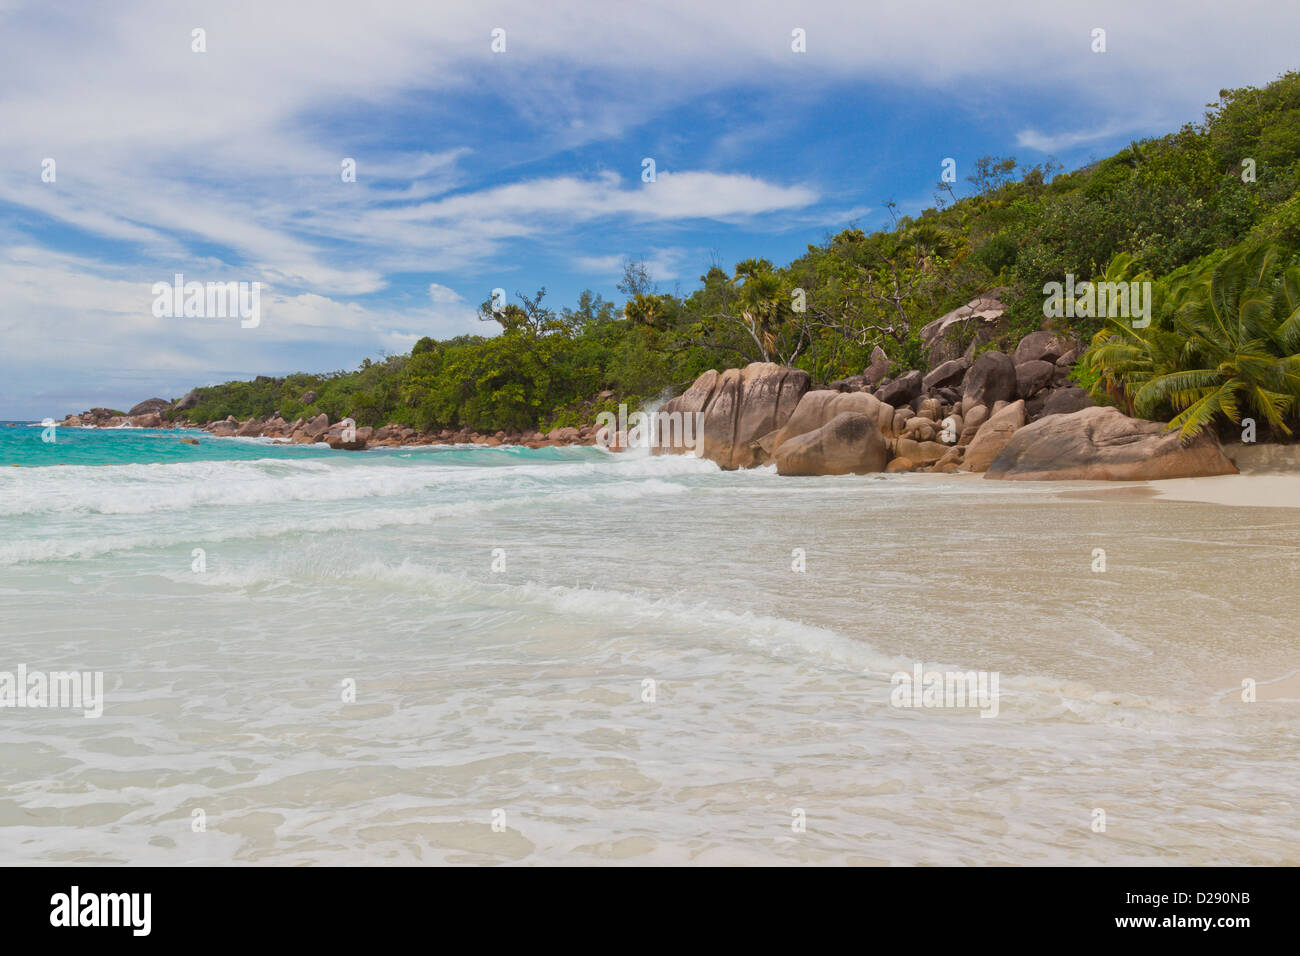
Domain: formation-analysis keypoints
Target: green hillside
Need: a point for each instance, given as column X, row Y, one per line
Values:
column 1191, row 211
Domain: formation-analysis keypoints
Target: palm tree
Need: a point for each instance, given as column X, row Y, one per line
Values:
column 766, row 312
column 1240, row 330
column 1124, row 357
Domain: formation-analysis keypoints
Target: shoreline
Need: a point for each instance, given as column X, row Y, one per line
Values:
column 332, row 435
column 1265, row 482
column 1013, row 415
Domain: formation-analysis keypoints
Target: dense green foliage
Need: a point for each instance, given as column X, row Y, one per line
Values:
column 1171, row 207
column 1224, row 340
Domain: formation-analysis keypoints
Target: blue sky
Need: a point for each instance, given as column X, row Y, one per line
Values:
column 518, row 169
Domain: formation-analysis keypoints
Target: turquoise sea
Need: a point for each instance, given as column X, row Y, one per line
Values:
column 564, row 655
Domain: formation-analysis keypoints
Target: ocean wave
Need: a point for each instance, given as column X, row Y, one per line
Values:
column 57, row 547
column 144, row 489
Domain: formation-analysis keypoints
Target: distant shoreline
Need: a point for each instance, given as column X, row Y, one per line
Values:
column 1269, row 478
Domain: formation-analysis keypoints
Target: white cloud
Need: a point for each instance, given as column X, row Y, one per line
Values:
column 229, row 149
column 86, row 334
column 687, row 195
column 1067, row 139
column 441, row 294
column 663, row 265
column 606, row 265
column 227, row 162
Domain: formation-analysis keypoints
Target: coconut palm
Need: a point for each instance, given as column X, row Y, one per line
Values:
column 1239, row 325
column 1122, row 357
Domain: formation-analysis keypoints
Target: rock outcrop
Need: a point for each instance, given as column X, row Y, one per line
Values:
column 1034, row 376
column 903, row 390
column 317, row 427
column 736, row 408
column 920, row 452
column 878, row 368
column 991, row 379
column 1042, row 347
column 1065, row 401
column 848, row 444
column 189, row 401
column 993, row 436
column 1104, row 444
column 747, row 404
column 818, row 407
column 963, row 329
column 949, row 374
column 677, row 435
column 154, row 406
column 564, row 435
column 1010, row 415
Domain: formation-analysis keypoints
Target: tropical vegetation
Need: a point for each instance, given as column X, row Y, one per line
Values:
column 1210, row 214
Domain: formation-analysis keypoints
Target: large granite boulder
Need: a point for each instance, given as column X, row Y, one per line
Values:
column 903, row 390
column 848, row 444
column 993, row 436
column 190, row 400
column 931, row 408
column 946, row 375
column 1034, row 376
column 1104, row 444
column 277, row 427
column 819, row 406
column 876, row 371
column 991, row 379
column 853, row 383
column 920, row 429
column 1066, row 401
column 1042, row 347
column 963, row 329
column 748, row 404
column 677, row 432
column 975, row 417
column 920, row 452
column 737, row 407
column 150, row 406
column 1067, row 360
column 314, row 429
column 563, row 436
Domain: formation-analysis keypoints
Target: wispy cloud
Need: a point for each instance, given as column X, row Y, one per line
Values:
column 662, row 265
column 227, row 164
column 1068, row 139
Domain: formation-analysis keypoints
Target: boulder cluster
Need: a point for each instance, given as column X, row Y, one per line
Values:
column 349, row 437
column 147, row 414
column 1009, row 416
column 337, row 434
